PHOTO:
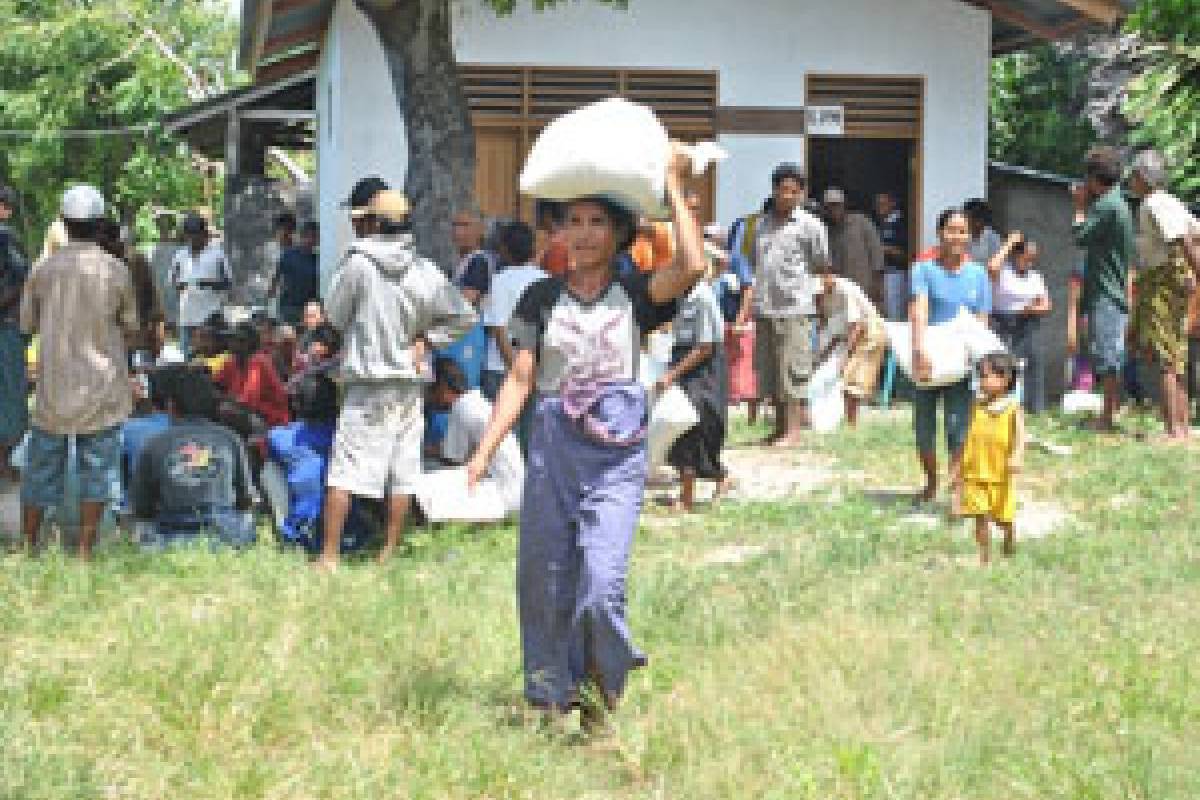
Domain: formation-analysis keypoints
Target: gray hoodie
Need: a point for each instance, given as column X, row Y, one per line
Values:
column 384, row 297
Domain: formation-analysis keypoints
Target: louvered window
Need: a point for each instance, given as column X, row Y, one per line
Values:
column 883, row 107
column 529, row 97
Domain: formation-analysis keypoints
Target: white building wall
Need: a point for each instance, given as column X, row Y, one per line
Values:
column 761, row 50
column 360, row 131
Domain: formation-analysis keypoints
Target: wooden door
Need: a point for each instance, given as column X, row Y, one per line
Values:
column 498, row 159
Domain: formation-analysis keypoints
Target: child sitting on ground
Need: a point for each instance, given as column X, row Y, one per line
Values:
column 993, row 454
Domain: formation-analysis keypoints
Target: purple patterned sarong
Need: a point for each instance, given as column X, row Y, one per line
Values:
column 582, row 500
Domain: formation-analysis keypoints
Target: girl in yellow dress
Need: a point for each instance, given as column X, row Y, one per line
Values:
column 993, row 454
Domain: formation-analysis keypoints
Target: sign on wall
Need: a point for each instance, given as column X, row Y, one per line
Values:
column 825, row 120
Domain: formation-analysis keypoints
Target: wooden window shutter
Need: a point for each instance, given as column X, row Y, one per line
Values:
column 883, row 107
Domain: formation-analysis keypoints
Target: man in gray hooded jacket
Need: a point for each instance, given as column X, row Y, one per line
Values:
column 390, row 304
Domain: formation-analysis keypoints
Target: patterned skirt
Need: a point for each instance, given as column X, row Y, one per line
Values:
column 1160, row 311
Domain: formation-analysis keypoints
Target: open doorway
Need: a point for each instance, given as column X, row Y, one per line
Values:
column 864, row 167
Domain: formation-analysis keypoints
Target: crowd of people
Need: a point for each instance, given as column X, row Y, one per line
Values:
column 327, row 410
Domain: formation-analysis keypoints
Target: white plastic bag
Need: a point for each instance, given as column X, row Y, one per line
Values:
column 672, row 416
column 443, row 496
column 826, row 405
column 614, row 148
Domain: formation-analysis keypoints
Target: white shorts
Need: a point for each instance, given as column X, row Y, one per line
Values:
column 377, row 447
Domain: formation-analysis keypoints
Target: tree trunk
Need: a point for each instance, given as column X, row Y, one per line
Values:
column 415, row 35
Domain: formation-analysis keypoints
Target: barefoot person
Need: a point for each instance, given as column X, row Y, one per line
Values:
column 852, row 321
column 576, row 341
column 698, row 367
column 789, row 243
column 941, row 288
column 80, row 303
column 993, row 454
column 386, row 300
column 1103, row 227
column 1165, row 285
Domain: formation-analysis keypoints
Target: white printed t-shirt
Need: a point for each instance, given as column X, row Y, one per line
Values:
column 1014, row 292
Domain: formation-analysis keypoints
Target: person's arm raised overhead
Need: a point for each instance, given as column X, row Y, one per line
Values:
column 690, row 262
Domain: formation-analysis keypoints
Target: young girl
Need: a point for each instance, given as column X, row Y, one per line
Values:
column 993, row 453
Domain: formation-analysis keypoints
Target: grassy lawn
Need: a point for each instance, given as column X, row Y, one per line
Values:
column 847, row 651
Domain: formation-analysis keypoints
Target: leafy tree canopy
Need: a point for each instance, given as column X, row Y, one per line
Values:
column 104, row 65
column 1165, row 99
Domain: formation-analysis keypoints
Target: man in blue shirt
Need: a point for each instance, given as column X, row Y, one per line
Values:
column 941, row 289
column 297, row 279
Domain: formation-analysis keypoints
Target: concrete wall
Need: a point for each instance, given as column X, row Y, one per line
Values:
column 762, row 52
column 360, row 130
column 1041, row 209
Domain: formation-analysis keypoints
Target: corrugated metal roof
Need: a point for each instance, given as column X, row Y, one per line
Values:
column 285, row 34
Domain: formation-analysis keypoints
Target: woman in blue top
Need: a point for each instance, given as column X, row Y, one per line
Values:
column 941, row 288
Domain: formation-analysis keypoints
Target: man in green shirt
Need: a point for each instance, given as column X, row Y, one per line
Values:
column 1104, row 229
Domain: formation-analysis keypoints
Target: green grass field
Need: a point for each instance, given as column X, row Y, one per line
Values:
column 849, row 650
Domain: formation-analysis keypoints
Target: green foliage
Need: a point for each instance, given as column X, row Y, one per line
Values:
column 94, row 65
column 1165, row 99
column 1037, row 98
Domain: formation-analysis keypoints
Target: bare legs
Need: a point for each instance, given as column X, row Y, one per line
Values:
column 983, row 538
column 89, row 520
column 852, row 404
column 1176, row 418
column 928, row 459
column 337, row 508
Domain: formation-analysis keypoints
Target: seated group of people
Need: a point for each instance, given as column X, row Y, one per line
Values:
column 254, row 415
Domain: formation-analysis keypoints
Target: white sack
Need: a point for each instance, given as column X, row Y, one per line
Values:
column 614, row 148
column 1082, row 403
column 672, row 416
column 443, row 496
column 952, row 347
column 826, row 403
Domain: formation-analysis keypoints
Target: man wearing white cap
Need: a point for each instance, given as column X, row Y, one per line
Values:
column 854, row 245
column 388, row 302
column 80, row 303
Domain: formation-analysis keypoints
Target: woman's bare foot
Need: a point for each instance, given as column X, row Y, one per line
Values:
column 724, row 487
column 385, row 554
column 326, row 564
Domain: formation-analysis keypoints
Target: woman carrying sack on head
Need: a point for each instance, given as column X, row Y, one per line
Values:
column 576, row 341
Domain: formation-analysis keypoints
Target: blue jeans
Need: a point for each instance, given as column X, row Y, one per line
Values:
column 956, row 401
column 47, row 459
column 217, row 527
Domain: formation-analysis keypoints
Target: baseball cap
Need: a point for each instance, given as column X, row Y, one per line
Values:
column 834, row 197
column 387, row 204
column 82, row 203
column 193, row 224
column 364, row 190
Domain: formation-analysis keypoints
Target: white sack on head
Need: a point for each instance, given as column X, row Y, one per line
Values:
column 613, row 148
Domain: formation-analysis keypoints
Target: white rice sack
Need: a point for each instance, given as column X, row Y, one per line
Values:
column 443, row 496
column 672, row 416
column 826, row 404
column 614, row 148
column 944, row 346
column 978, row 337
